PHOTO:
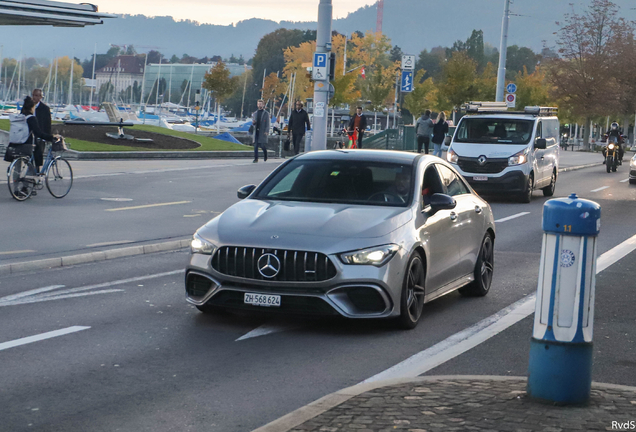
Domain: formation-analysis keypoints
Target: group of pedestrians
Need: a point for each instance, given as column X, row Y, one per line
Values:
column 428, row 131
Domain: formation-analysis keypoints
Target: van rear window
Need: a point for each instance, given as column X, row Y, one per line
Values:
column 494, row 131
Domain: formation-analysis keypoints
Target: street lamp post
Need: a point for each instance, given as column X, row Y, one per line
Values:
column 503, row 50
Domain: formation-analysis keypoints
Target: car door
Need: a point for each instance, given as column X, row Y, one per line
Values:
column 439, row 233
column 539, row 159
column 469, row 220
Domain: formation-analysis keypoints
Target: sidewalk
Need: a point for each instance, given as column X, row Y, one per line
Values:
column 458, row 403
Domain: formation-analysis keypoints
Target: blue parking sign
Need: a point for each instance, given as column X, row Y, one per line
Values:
column 407, row 81
column 320, row 60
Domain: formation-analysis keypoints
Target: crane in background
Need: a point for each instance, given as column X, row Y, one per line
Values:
column 378, row 24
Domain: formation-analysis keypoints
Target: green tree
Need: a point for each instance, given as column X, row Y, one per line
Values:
column 423, row 96
column 532, row 88
column 519, row 58
column 377, row 87
column 457, row 85
column 473, row 47
column 431, row 62
column 396, row 54
column 219, row 82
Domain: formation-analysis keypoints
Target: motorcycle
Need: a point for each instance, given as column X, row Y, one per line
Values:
column 611, row 154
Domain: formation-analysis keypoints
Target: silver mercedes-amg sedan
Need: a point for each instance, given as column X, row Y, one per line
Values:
column 356, row 233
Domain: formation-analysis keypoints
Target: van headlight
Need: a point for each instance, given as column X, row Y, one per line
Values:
column 451, row 156
column 200, row 245
column 377, row 256
column 518, row 158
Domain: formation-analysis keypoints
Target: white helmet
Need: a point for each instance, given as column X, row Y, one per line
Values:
column 614, row 126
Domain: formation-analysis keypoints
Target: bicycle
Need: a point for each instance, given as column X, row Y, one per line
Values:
column 23, row 177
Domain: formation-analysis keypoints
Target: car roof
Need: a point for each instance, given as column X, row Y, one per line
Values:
column 390, row 156
column 519, row 116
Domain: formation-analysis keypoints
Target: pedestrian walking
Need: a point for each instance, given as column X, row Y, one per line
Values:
column 260, row 122
column 43, row 115
column 424, row 130
column 298, row 124
column 358, row 123
column 439, row 133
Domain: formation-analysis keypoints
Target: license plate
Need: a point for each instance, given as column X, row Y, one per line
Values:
column 262, row 300
column 480, row 178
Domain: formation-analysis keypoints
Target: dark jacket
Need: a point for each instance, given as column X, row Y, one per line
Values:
column 363, row 122
column 262, row 128
column 297, row 122
column 34, row 129
column 439, row 132
column 43, row 114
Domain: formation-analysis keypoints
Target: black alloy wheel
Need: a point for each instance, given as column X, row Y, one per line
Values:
column 412, row 299
column 549, row 190
column 484, row 270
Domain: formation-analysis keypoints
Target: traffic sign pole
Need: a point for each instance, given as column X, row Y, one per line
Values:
column 321, row 84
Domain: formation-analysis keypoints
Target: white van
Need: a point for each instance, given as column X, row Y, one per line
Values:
column 504, row 152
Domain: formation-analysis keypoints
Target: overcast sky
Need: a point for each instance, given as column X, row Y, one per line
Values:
column 229, row 11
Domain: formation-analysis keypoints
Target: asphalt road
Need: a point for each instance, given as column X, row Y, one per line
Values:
column 138, row 358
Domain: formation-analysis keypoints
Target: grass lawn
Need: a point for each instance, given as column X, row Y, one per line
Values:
column 207, row 143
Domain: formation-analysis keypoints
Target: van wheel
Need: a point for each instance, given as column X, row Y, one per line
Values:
column 526, row 196
column 549, row 190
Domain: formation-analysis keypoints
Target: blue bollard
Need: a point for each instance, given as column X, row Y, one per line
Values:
column 560, row 368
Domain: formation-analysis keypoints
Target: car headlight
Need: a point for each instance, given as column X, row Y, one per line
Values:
column 611, row 146
column 200, row 245
column 518, row 158
column 632, row 163
column 377, row 256
column 451, row 156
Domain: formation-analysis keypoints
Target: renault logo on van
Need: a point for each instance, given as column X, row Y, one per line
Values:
column 482, row 160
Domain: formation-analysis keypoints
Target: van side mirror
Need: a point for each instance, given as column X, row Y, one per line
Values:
column 245, row 191
column 540, row 144
column 442, row 202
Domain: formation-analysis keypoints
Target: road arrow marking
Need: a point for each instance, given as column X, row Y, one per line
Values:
column 600, row 189
column 263, row 330
column 625, row 181
column 43, row 336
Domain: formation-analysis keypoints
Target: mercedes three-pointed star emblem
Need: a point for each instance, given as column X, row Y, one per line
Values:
column 268, row 265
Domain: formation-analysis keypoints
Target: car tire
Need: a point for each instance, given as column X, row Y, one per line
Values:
column 632, row 181
column 412, row 297
column 526, row 196
column 484, row 270
column 548, row 191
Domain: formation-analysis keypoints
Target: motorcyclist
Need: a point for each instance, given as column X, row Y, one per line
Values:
column 614, row 132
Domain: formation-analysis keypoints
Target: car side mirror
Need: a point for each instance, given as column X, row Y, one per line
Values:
column 442, row 202
column 245, row 191
column 540, row 144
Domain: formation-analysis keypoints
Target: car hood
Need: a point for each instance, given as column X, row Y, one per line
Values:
column 491, row 151
column 254, row 222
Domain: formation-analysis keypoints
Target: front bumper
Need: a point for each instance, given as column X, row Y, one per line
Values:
column 632, row 173
column 355, row 291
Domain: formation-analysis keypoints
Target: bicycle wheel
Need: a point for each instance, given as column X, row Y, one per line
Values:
column 59, row 177
column 21, row 179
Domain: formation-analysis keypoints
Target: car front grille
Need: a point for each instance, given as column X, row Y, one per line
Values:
column 492, row 166
column 295, row 266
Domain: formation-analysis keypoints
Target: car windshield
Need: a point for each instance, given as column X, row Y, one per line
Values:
column 494, row 131
column 338, row 181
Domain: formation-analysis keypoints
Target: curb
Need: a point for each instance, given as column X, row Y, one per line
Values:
column 75, row 155
column 324, row 404
column 90, row 257
column 579, row 167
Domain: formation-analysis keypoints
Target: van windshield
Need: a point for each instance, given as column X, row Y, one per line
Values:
column 494, row 131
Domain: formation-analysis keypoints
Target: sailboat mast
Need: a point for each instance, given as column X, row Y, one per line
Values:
column 93, row 78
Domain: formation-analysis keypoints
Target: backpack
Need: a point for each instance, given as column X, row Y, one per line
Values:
column 19, row 130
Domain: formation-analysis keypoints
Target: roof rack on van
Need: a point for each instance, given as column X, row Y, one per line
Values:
column 476, row 107
column 541, row 110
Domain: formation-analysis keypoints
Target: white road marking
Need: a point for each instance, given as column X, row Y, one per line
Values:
column 599, row 189
column 625, row 181
column 43, row 336
column 110, row 243
column 263, row 330
column 148, row 206
column 515, row 216
column 463, row 341
column 120, row 173
column 17, row 252
column 191, row 216
column 44, row 294
column 116, row 199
